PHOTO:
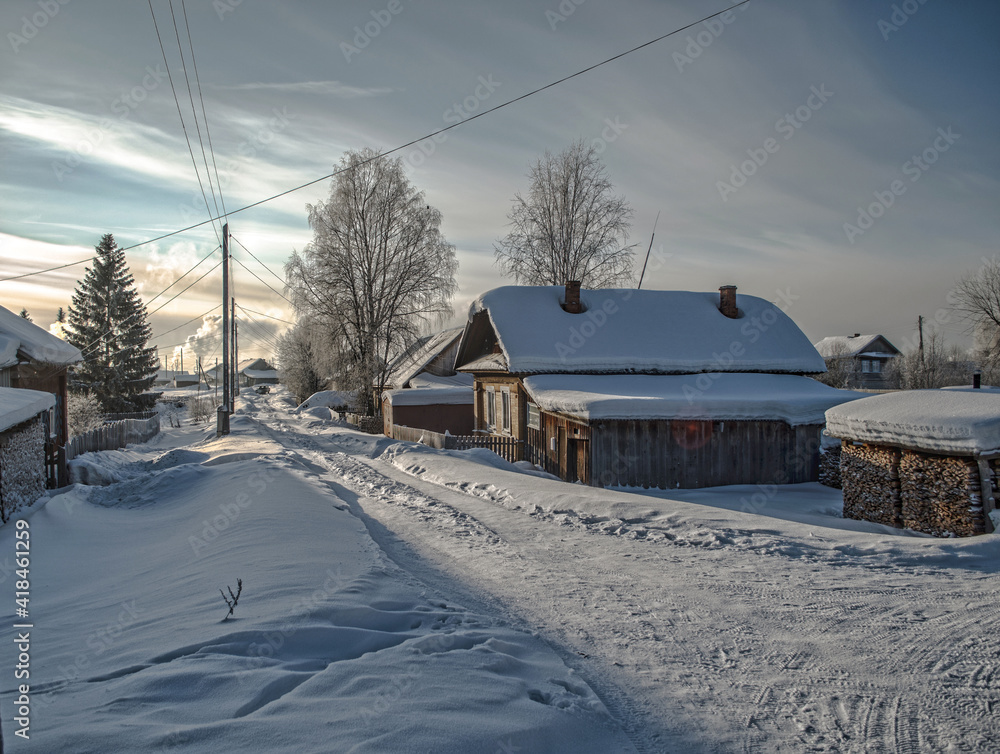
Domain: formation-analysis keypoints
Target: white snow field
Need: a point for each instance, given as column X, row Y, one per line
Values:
column 402, row 599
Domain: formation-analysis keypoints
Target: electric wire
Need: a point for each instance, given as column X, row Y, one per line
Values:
column 261, row 314
column 263, row 282
column 276, row 275
column 450, row 126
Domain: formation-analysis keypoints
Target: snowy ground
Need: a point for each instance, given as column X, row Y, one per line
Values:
column 398, row 598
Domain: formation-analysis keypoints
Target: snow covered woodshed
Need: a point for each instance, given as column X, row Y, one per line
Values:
column 25, row 416
column 925, row 460
column 621, row 387
column 33, row 359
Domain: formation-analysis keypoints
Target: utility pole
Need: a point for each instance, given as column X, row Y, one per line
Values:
column 222, row 413
column 920, row 327
column 236, row 361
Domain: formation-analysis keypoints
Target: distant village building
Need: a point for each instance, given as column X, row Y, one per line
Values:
column 925, row 460
column 253, row 372
column 33, row 359
column 622, row 387
column 862, row 359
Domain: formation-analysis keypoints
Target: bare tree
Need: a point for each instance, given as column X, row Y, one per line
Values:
column 977, row 298
column 377, row 270
column 303, row 359
column 841, row 367
column 570, row 226
column 938, row 366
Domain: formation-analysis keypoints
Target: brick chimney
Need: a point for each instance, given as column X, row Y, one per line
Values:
column 573, row 305
column 727, row 301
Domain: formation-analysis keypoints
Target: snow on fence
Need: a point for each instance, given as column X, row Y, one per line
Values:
column 117, row 433
column 370, row 424
column 508, row 448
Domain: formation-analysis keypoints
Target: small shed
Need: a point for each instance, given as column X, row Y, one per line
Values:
column 25, row 417
column 925, row 460
column 435, row 403
column 32, row 358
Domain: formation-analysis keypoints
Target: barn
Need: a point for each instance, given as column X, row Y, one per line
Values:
column 623, row 387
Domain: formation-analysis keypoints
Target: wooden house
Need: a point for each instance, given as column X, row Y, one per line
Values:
column 423, row 390
column 33, row 359
column 621, row 387
column 863, row 359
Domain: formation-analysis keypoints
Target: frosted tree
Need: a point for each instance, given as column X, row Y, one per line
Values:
column 570, row 226
column 377, row 271
column 301, row 353
column 977, row 297
column 107, row 322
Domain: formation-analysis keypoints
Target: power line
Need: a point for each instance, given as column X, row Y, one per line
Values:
column 261, row 280
column 276, row 275
column 193, row 319
column 446, row 128
column 180, row 115
column 261, row 314
column 204, row 111
column 50, row 269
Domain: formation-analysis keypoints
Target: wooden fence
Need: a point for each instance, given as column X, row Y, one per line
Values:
column 113, row 435
column 506, row 447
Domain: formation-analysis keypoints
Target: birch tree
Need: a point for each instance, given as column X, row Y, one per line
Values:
column 569, row 226
column 377, row 271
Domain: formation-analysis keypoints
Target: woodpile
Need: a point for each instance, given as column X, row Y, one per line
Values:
column 870, row 479
column 934, row 494
column 941, row 495
column 829, row 466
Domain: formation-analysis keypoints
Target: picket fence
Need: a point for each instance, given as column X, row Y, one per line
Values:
column 506, row 447
column 114, row 434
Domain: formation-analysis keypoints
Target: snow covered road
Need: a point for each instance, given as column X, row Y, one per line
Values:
column 702, row 629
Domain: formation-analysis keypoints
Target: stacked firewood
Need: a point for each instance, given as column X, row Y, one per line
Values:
column 870, row 479
column 829, row 466
column 941, row 495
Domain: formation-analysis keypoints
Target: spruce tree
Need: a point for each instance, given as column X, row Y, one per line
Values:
column 107, row 322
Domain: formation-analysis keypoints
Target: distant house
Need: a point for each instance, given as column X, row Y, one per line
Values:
column 253, row 372
column 862, row 359
column 33, row 359
column 641, row 388
column 184, row 379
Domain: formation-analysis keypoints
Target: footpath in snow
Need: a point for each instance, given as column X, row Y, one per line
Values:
column 331, row 647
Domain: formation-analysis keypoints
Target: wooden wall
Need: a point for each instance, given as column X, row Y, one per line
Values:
column 690, row 454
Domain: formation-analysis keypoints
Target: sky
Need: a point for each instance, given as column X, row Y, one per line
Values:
column 840, row 159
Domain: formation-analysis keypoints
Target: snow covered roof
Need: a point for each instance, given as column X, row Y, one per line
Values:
column 632, row 331
column 8, row 351
column 430, row 396
column 252, row 364
column 426, row 380
column 959, row 421
column 718, row 396
column 845, row 346
column 260, row 374
column 34, row 342
column 18, row 405
column 423, row 352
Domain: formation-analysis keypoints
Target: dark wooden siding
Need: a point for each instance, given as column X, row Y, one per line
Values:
column 690, row 454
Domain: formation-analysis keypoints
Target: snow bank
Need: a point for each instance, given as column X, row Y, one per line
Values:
column 714, row 395
column 644, row 331
column 332, row 647
column 18, row 405
column 963, row 421
column 328, row 398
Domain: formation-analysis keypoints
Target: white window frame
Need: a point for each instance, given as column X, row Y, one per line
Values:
column 491, row 409
column 505, row 412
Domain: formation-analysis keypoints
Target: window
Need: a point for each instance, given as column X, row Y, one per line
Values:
column 505, row 410
column 491, row 409
column 534, row 417
column 866, row 366
column 876, row 366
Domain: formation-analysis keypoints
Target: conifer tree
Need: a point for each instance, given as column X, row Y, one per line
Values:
column 107, row 322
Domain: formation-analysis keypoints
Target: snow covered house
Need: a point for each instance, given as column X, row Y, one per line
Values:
column 925, row 460
column 621, row 387
column 423, row 390
column 253, row 372
column 31, row 358
column 862, row 359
